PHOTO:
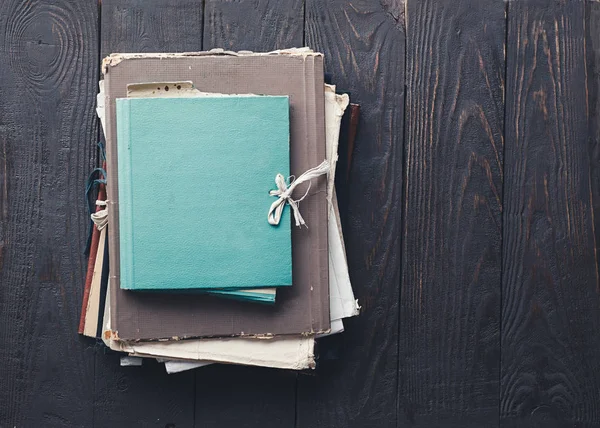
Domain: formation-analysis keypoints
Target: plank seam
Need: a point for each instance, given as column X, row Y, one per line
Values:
column 403, row 193
column 304, row 23
column 202, row 27
column 506, row 12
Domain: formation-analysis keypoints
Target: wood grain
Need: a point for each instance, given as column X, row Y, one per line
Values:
column 48, row 131
column 147, row 395
column 593, row 72
column 550, row 297
column 493, row 309
column 263, row 397
column 255, row 25
column 236, row 396
column 451, row 257
column 151, row 26
column 363, row 43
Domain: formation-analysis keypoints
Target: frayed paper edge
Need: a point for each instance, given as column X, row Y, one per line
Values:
column 115, row 59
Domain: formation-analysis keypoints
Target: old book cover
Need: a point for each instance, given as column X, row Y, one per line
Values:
column 186, row 89
column 302, row 308
column 213, row 161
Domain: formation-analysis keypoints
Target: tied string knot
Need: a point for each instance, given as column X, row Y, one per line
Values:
column 284, row 194
column 100, row 217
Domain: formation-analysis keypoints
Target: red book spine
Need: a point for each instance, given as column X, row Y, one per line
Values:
column 91, row 262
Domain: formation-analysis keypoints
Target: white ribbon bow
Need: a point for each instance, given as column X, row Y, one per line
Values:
column 100, row 218
column 284, row 194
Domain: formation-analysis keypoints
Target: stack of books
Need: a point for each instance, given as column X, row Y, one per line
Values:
column 216, row 234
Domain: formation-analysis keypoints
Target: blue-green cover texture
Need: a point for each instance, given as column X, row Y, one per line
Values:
column 194, row 180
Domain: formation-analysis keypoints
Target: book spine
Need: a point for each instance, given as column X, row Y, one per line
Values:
column 125, row 194
column 91, row 263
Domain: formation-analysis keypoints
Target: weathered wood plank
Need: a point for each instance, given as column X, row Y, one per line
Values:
column 593, row 72
column 263, row 397
column 151, row 26
column 236, row 396
column 550, row 297
column 48, row 132
column 363, row 43
column 451, row 257
column 146, row 396
column 255, row 25
column 143, row 396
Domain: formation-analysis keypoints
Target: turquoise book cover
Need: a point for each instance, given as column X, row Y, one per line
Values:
column 194, row 180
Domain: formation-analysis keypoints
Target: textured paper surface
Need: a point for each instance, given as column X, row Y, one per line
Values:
column 187, row 90
column 302, row 308
column 283, row 353
column 296, row 353
column 195, row 176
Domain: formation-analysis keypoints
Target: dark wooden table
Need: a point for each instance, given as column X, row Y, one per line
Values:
column 471, row 219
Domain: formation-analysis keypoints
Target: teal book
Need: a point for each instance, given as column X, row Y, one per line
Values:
column 262, row 295
column 194, row 180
